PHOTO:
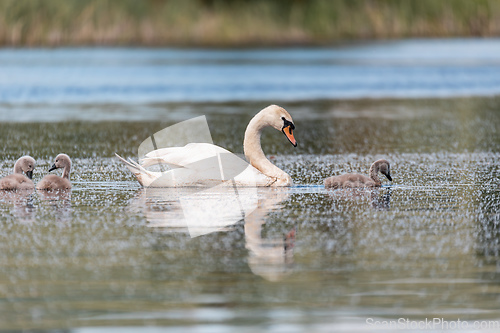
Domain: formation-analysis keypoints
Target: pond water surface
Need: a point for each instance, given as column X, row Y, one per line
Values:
column 111, row 256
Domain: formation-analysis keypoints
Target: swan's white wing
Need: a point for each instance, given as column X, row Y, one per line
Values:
column 197, row 164
column 200, row 173
column 173, row 178
column 214, row 170
column 182, row 156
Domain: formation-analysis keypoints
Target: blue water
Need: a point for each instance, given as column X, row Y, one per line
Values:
column 409, row 69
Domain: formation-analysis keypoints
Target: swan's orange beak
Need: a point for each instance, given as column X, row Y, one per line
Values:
column 288, row 131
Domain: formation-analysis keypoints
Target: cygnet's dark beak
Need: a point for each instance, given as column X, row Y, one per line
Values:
column 29, row 174
column 53, row 167
column 388, row 175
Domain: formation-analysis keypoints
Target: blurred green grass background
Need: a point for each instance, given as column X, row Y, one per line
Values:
column 239, row 22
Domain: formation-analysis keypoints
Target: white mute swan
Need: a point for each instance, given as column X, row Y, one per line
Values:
column 18, row 181
column 204, row 164
column 350, row 180
column 55, row 182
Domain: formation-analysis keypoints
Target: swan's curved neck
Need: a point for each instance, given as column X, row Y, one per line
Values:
column 66, row 171
column 18, row 168
column 374, row 169
column 253, row 150
column 251, row 143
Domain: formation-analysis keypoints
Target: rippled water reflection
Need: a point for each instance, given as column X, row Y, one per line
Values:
column 304, row 258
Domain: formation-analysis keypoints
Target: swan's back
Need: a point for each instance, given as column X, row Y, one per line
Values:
column 182, row 156
column 16, row 182
column 349, row 180
column 53, row 182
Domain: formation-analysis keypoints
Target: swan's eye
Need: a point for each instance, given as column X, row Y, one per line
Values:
column 283, row 118
column 287, row 123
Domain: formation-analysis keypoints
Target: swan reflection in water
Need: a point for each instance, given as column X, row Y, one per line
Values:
column 201, row 211
column 57, row 204
column 60, row 198
column 269, row 258
column 26, row 203
column 22, row 203
column 380, row 198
